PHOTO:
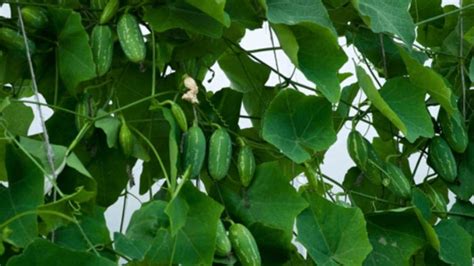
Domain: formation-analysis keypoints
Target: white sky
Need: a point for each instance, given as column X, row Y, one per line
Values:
column 337, row 161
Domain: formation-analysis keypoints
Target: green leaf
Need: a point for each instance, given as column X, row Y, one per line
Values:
column 319, row 58
column 429, row 80
column 18, row 118
column 376, row 99
column 63, row 206
column 245, row 13
column 421, row 201
column 245, row 75
column 176, row 15
column 464, row 185
column 455, row 243
column 288, row 41
column 291, row 12
column 194, row 243
column 74, row 52
column 73, row 161
column 370, row 45
column 172, row 143
column 408, row 103
column 38, row 150
column 44, row 253
column 110, row 125
column 213, row 8
column 93, row 226
column 141, row 230
column 274, row 245
column 464, row 207
column 299, row 125
column 332, row 234
column 24, row 194
column 388, row 16
column 343, row 108
column 256, row 103
column 360, row 185
column 177, row 210
column 276, row 207
column 228, row 103
column 395, row 236
column 110, row 169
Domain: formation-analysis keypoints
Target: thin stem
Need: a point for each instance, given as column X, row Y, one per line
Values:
column 275, row 57
column 374, row 198
column 264, row 50
column 78, row 138
column 40, row 167
column 36, row 212
column 460, row 214
column 157, row 155
column 54, row 107
column 133, row 104
column 270, row 67
column 153, row 74
column 444, row 15
column 47, row 145
column 385, row 70
column 124, row 207
column 461, row 60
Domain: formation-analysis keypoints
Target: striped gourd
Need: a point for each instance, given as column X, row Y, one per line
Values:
column 398, row 183
column 102, row 48
column 438, row 202
column 244, row 245
column 441, row 159
column 109, row 11
column 223, row 246
column 86, row 110
column 126, row 139
column 358, row 149
column 194, row 150
column 13, row 41
column 374, row 170
column 179, row 116
column 246, row 165
column 131, row 38
column 98, row 4
column 34, row 17
column 220, row 153
column 454, row 130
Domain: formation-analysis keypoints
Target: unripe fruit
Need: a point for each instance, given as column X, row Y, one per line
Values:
column 194, row 150
column 126, row 139
column 220, row 153
column 246, row 165
column 223, row 246
column 131, row 38
column 244, row 245
column 441, row 158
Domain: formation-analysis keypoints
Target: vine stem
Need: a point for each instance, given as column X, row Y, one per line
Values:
column 158, row 157
column 461, row 59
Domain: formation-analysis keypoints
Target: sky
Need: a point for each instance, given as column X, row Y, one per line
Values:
column 336, row 162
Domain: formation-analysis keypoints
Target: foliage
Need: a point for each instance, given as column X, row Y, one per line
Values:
column 121, row 94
